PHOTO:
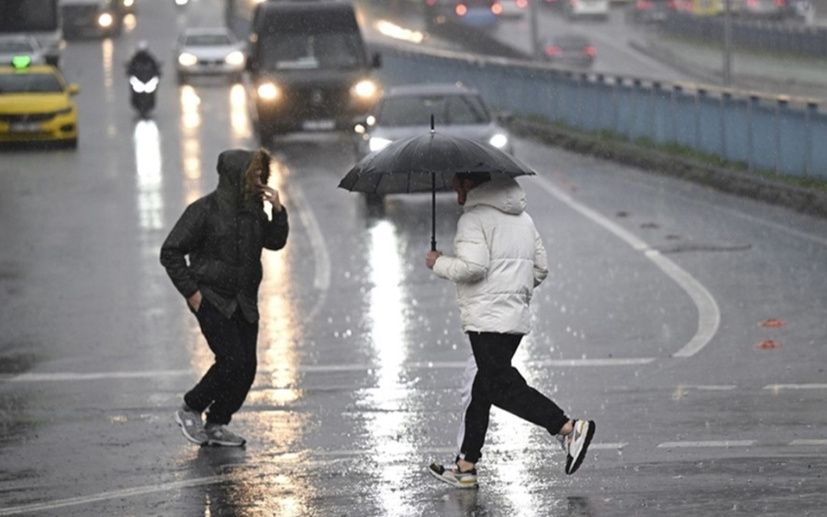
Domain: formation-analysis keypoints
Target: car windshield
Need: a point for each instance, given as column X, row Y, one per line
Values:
column 291, row 51
column 207, row 40
column 7, row 47
column 29, row 83
column 446, row 109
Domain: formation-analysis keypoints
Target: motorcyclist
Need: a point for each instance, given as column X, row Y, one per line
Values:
column 143, row 64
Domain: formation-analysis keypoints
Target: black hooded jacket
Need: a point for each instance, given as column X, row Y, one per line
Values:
column 223, row 234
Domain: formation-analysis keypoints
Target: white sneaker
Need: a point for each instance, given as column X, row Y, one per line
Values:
column 577, row 443
column 453, row 476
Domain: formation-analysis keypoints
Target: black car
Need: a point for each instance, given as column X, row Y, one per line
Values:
column 309, row 68
column 570, row 50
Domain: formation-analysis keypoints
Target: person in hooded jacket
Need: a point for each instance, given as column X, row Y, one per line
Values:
column 499, row 259
column 143, row 64
column 223, row 234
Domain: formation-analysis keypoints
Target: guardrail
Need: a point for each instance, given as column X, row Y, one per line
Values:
column 785, row 135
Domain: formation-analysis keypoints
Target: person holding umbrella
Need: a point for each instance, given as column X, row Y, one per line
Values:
column 498, row 260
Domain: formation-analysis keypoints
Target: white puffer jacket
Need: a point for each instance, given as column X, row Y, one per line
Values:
column 498, row 259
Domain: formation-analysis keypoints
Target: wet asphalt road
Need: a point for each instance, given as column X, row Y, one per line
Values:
column 687, row 323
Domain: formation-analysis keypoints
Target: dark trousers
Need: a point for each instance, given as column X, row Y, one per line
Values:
column 226, row 384
column 498, row 383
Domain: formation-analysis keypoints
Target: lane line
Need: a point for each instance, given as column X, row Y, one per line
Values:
column 331, row 368
column 706, row 444
column 779, row 387
column 115, row 494
column 808, row 443
column 321, row 279
column 709, row 314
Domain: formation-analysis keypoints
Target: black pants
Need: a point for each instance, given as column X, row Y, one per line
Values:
column 497, row 382
column 226, row 384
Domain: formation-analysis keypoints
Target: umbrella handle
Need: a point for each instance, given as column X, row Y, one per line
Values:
column 433, row 211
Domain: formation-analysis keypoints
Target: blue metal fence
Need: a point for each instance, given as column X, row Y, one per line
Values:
column 787, row 136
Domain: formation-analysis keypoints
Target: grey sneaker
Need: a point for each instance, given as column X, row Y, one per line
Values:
column 453, row 476
column 576, row 444
column 191, row 425
column 220, row 435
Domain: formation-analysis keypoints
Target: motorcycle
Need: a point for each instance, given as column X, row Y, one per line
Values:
column 144, row 75
column 143, row 93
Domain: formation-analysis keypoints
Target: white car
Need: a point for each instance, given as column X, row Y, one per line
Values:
column 586, row 9
column 208, row 51
column 22, row 46
column 405, row 111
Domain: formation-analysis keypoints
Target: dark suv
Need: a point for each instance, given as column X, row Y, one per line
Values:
column 309, row 68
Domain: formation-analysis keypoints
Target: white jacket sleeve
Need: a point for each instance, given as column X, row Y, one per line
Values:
column 471, row 260
column 540, row 260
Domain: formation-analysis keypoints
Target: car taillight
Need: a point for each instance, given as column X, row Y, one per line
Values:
column 552, row 50
column 522, row 4
column 752, row 3
column 780, row 3
column 497, row 8
column 643, row 5
column 461, row 9
column 590, row 51
column 430, row 3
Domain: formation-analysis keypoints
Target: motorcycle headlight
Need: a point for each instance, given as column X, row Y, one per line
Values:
column 365, row 89
column 235, row 58
column 105, row 20
column 268, row 91
column 377, row 144
column 187, row 59
column 499, row 140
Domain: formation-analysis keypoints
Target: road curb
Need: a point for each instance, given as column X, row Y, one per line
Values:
column 745, row 184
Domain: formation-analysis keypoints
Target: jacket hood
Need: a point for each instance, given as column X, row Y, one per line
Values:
column 232, row 165
column 501, row 192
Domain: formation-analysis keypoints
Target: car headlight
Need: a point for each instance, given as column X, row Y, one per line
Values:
column 499, row 140
column 268, row 91
column 377, row 144
column 365, row 89
column 235, row 58
column 187, row 59
column 105, row 20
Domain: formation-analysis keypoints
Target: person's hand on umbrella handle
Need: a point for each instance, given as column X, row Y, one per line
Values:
column 430, row 258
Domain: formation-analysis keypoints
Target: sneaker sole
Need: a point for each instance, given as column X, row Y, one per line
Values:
column 217, row 443
column 186, row 434
column 580, row 457
column 453, row 483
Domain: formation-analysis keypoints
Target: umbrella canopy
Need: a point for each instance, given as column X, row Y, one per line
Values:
column 426, row 163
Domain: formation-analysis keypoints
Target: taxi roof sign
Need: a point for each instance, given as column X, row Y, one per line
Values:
column 21, row 62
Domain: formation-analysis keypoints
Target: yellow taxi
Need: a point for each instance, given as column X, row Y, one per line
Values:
column 36, row 104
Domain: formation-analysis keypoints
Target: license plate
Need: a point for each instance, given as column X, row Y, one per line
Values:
column 24, row 127
column 318, row 125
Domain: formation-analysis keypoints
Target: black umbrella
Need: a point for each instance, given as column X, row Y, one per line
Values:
column 425, row 163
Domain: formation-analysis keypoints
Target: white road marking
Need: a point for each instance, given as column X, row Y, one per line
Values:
column 779, row 387
column 808, row 443
column 106, row 496
column 709, row 315
column 321, row 257
column 706, row 444
column 310, row 368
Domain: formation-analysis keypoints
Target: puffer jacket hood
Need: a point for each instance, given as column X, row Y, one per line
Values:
column 232, row 165
column 501, row 192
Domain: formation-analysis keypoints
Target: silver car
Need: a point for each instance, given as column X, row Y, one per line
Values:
column 405, row 111
column 208, row 51
column 14, row 47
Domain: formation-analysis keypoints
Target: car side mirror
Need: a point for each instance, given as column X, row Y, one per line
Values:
column 74, row 89
column 376, row 60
